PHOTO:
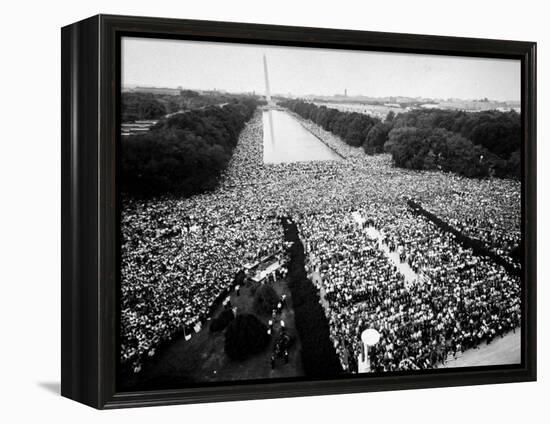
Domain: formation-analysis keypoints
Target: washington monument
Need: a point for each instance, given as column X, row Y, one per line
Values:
column 267, row 90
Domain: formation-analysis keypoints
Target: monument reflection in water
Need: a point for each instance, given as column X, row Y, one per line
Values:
column 286, row 140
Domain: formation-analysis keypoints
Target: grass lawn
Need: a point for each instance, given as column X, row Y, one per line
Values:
column 202, row 359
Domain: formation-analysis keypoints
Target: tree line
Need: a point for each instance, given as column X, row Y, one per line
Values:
column 479, row 144
column 473, row 144
column 184, row 154
column 352, row 128
column 137, row 106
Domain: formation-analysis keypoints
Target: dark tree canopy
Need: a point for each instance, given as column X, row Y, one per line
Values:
column 390, row 116
column 471, row 144
column 408, row 147
column 498, row 132
column 376, row 137
column 351, row 127
column 431, row 149
column 184, row 154
column 139, row 106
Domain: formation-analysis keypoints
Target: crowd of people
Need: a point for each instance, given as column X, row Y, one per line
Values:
column 457, row 301
column 178, row 257
column 496, row 221
column 180, row 254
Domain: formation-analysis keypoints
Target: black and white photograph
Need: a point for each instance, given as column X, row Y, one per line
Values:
column 294, row 212
column 305, row 213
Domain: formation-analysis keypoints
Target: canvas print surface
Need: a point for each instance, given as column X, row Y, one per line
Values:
column 300, row 213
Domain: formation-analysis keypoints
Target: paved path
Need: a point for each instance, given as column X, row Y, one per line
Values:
column 501, row 351
column 318, row 282
column 402, row 267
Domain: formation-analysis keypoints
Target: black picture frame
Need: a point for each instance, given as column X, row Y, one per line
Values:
column 90, row 120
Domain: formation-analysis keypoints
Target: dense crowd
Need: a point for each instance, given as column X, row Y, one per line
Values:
column 179, row 255
column 494, row 222
column 460, row 301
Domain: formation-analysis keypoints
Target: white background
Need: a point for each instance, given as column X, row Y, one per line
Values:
column 30, row 211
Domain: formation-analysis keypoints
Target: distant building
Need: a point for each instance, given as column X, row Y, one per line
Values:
column 137, row 127
column 430, row 106
column 157, row 90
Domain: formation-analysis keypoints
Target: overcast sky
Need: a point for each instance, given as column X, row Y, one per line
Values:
column 300, row 71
